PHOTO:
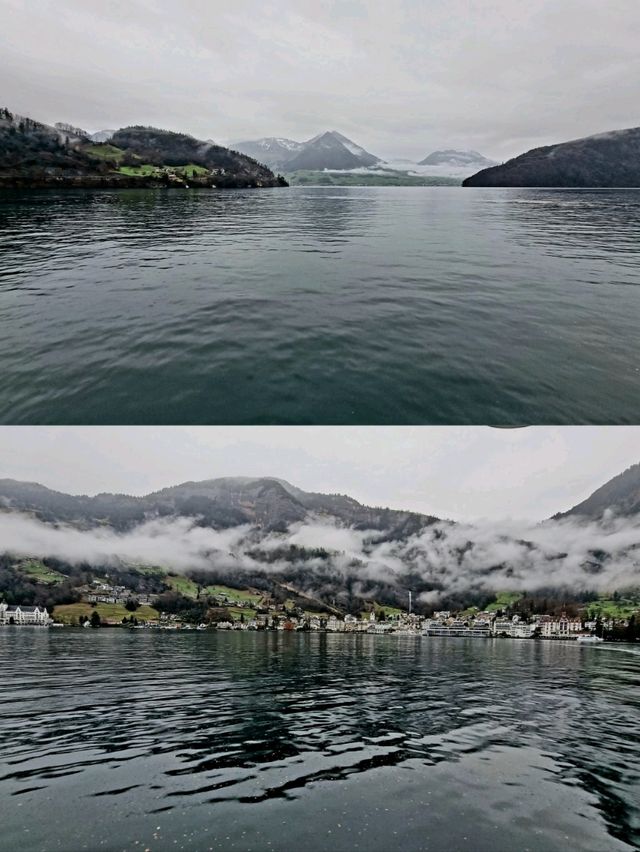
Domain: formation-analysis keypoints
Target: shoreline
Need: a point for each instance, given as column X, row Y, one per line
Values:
column 127, row 182
column 399, row 634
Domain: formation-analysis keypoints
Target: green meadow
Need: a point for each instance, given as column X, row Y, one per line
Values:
column 36, row 570
column 114, row 613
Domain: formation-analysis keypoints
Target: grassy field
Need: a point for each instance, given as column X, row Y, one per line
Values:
column 183, row 585
column 237, row 595
column 503, row 600
column 114, row 613
column 143, row 170
column 35, row 570
column 310, row 178
column 389, row 611
column 610, row 608
column 150, row 570
column 237, row 611
column 105, row 152
column 191, row 170
column 146, row 169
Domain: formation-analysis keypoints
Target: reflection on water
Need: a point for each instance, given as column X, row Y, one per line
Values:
column 281, row 741
column 326, row 305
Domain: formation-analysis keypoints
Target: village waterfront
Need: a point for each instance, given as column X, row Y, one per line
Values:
column 284, row 740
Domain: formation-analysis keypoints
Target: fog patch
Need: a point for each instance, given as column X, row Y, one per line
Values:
column 443, row 558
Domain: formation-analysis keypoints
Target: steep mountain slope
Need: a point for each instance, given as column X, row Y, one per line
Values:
column 329, row 151
column 621, row 496
column 365, row 158
column 607, row 159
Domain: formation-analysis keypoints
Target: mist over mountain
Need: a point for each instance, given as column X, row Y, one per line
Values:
column 330, row 546
column 102, row 135
column 605, row 160
column 457, row 159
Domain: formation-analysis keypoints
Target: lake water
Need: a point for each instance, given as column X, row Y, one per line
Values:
column 132, row 740
column 320, row 305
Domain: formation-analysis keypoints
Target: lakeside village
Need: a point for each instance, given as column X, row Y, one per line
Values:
column 103, row 605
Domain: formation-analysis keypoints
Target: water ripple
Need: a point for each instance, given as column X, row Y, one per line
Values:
column 320, row 306
column 187, row 732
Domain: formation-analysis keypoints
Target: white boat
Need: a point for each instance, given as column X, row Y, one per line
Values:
column 590, row 639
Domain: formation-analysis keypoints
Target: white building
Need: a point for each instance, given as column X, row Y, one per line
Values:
column 24, row 615
column 456, row 627
column 560, row 628
column 380, row 627
column 514, row 628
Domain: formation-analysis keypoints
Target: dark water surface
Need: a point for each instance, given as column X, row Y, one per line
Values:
column 114, row 739
column 320, row 305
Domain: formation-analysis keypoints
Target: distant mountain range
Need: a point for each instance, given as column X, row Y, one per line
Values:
column 604, row 160
column 328, row 150
column 34, row 154
column 271, row 150
column 332, row 151
column 270, row 504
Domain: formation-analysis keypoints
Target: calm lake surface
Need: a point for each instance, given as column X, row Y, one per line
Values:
column 123, row 740
column 320, row 305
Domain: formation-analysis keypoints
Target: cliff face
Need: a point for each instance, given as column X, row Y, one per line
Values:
column 606, row 160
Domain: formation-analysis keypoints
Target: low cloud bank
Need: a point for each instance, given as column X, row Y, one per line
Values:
column 175, row 544
column 442, row 559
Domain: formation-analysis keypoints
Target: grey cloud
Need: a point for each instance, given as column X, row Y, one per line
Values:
column 451, row 558
column 401, row 78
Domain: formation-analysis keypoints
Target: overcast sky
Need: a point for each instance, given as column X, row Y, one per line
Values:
column 400, row 78
column 463, row 473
